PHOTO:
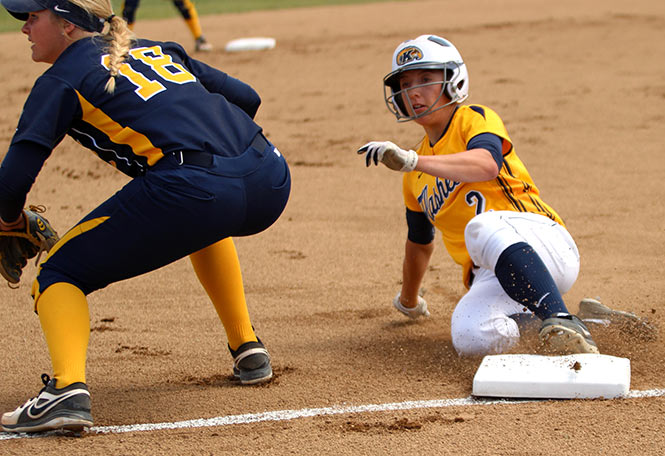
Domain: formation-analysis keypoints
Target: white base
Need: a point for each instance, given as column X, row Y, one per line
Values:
column 581, row 376
column 250, row 44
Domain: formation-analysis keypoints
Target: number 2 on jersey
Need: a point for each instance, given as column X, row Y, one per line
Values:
column 160, row 63
column 474, row 198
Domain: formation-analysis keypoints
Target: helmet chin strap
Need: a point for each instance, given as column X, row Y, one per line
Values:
column 405, row 117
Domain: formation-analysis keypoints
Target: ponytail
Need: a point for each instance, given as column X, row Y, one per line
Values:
column 119, row 38
column 117, row 35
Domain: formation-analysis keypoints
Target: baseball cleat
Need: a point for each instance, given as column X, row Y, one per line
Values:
column 566, row 334
column 251, row 363
column 201, row 45
column 592, row 311
column 66, row 408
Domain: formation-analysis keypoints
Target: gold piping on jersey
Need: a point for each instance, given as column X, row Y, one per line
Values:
column 139, row 143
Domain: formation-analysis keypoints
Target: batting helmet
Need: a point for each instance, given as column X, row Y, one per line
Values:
column 424, row 53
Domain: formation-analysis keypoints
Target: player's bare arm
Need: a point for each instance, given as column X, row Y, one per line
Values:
column 416, row 260
column 475, row 165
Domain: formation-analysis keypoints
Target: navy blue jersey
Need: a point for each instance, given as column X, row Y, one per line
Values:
column 164, row 101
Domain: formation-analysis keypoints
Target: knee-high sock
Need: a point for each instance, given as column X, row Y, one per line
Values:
column 218, row 269
column 190, row 15
column 525, row 278
column 65, row 319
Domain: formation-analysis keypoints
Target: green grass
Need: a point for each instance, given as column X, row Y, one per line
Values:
column 159, row 9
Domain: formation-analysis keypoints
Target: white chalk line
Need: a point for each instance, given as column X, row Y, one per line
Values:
column 286, row 415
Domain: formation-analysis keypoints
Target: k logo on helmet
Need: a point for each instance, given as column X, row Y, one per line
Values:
column 408, row 54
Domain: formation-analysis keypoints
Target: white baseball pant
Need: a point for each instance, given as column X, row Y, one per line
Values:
column 481, row 322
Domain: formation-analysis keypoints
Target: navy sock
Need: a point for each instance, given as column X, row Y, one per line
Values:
column 525, row 278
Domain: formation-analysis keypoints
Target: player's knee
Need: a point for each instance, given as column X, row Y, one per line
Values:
column 50, row 273
column 495, row 335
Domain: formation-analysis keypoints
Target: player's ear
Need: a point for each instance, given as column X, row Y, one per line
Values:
column 68, row 28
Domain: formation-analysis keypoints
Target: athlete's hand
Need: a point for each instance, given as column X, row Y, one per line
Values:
column 412, row 312
column 25, row 238
column 390, row 155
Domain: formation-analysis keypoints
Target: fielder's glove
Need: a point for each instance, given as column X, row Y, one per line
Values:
column 21, row 241
column 390, row 155
column 415, row 312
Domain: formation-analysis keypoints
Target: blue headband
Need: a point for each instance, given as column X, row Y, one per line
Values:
column 63, row 8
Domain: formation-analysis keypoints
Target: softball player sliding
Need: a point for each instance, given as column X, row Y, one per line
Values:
column 201, row 172
column 467, row 181
column 188, row 12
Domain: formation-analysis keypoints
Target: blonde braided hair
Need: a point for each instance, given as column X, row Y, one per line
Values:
column 117, row 35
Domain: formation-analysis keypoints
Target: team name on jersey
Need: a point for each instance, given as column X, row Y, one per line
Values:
column 432, row 204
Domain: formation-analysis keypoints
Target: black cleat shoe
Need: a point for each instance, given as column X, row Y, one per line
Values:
column 251, row 363
column 566, row 334
column 66, row 408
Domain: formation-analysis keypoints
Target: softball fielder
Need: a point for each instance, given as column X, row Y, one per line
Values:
column 188, row 12
column 201, row 172
column 467, row 181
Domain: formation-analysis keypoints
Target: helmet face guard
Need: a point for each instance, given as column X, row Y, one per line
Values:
column 427, row 52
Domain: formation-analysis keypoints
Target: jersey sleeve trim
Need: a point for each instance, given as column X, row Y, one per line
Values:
column 491, row 143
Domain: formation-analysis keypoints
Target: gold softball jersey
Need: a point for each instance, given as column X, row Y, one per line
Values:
column 450, row 205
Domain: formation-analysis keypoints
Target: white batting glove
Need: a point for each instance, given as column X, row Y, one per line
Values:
column 390, row 155
column 412, row 312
